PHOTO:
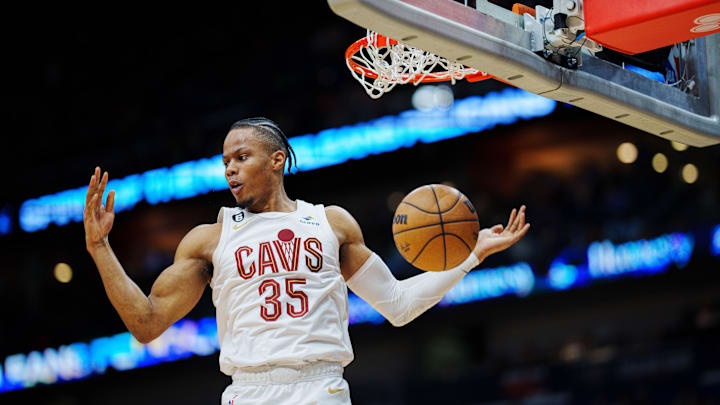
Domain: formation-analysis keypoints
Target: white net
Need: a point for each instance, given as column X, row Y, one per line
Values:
column 379, row 66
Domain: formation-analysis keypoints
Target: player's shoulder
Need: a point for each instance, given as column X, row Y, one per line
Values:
column 343, row 223
column 201, row 241
column 338, row 214
column 205, row 230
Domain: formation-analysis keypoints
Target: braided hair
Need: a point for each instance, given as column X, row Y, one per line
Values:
column 271, row 133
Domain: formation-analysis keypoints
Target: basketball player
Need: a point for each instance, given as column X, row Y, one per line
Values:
column 278, row 270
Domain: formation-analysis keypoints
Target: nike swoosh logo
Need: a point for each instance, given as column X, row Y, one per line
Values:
column 332, row 391
column 242, row 225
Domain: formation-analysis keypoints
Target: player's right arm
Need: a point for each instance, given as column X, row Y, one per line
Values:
column 175, row 292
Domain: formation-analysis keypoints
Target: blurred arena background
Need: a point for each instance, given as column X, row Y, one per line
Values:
column 612, row 298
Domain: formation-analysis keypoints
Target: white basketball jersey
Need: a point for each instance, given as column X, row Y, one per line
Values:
column 278, row 291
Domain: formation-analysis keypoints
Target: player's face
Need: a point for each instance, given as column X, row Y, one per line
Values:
column 248, row 167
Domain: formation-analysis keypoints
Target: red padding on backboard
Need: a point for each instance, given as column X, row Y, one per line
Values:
column 634, row 26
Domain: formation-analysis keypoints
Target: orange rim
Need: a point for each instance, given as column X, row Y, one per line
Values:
column 382, row 42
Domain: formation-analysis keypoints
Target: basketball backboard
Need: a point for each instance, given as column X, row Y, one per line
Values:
column 508, row 46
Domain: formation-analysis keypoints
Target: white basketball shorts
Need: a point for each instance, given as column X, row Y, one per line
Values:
column 315, row 384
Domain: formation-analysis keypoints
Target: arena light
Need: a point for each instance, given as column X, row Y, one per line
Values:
column 517, row 279
column 429, row 97
column 562, row 276
column 644, row 256
column 199, row 338
column 120, row 352
column 627, row 152
column 690, row 173
column 678, row 146
column 659, row 163
column 63, row 272
column 5, row 221
column 329, row 147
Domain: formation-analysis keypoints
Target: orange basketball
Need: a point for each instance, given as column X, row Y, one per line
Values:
column 435, row 227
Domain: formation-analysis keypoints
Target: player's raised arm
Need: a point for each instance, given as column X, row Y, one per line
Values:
column 174, row 293
column 402, row 301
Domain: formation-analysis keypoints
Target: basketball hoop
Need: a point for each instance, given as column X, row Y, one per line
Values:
column 379, row 63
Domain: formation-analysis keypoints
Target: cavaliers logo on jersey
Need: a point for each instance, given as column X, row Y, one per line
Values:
column 281, row 254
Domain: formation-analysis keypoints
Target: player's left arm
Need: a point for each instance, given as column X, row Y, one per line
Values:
column 402, row 301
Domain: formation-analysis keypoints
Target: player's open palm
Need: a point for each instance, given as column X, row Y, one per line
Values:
column 497, row 238
column 98, row 218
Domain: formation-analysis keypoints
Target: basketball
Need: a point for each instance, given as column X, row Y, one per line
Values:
column 435, row 227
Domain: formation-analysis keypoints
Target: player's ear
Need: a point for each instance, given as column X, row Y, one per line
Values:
column 277, row 160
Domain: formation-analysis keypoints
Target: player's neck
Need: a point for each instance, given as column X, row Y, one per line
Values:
column 278, row 201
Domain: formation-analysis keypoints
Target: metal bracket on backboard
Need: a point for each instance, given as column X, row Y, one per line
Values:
column 504, row 49
column 560, row 30
column 535, row 29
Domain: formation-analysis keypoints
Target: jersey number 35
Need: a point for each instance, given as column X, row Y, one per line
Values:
column 272, row 309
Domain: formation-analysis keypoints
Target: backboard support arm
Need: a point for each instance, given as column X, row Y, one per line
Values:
column 495, row 42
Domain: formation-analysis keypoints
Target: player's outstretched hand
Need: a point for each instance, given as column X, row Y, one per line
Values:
column 497, row 238
column 98, row 218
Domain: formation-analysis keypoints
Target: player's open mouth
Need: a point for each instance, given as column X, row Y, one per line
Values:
column 235, row 186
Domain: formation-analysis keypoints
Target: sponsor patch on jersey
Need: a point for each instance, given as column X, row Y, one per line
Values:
column 238, row 217
column 309, row 221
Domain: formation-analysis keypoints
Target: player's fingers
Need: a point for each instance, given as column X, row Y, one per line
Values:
column 103, row 183
column 93, row 182
column 497, row 228
column 520, row 222
column 110, row 202
column 96, row 176
column 512, row 218
column 522, row 232
column 90, row 190
column 513, row 225
column 97, row 201
column 90, row 208
column 86, row 210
